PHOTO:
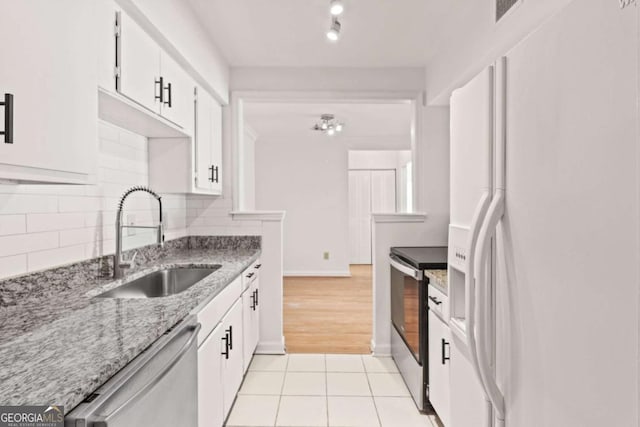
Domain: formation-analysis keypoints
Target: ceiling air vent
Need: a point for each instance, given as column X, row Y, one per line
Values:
column 503, row 6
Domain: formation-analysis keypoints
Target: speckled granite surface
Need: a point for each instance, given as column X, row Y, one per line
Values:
column 58, row 344
column 438, row 278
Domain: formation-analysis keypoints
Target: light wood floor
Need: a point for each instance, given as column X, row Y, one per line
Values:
column 329, row 314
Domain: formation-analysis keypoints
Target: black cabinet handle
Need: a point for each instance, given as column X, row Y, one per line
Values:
column 435, row 300
column 226, row 346
column 8, row 118
column 160, row 82
column 253, row 301
column 257, row 295
column 211, row 174
column 257, row 266
column 250, row 275
column 217, row 176
column 444, row 353
column 168, row 89
column 230, row 335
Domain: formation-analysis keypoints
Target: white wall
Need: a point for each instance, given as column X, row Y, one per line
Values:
column 43, row 226
column 479, row 41
column 309, row 180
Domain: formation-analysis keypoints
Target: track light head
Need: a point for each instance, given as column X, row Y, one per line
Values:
column 334, row 32
column 336, row 7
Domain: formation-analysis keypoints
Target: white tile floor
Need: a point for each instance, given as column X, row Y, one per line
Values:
column 306, row 390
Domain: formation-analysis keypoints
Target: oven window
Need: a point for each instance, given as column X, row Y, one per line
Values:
column 405, row 309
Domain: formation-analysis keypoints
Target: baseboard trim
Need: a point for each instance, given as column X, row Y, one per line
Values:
column 380, row 350
column 271, row 347
column 307, row 273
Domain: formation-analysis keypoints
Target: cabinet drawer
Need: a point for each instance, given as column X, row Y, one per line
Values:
column 438, row 303
column 211, row 314
column 250, row 274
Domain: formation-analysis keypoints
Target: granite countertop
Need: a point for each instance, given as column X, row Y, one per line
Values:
column 58, row 344
column 438, row 278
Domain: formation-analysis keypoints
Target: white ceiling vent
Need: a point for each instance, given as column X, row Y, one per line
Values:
column 503, row 6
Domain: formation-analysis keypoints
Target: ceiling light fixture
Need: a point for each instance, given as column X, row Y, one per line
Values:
column 334, row 32
column 329, row 125
column 336, row 8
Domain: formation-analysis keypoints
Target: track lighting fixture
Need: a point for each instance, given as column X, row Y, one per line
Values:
column 334, row 32
column 336, row 7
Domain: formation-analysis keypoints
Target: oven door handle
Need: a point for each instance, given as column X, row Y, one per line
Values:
column 405, row 269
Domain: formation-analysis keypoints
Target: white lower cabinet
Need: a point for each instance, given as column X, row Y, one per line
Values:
column 251, row 314
column 439, row 366
column 210, row 395
column 226, row 342
column 232, row 361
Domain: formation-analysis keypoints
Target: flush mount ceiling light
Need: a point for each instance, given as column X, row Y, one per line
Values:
column 334, row 32
column 336, row 7
column 329, row 125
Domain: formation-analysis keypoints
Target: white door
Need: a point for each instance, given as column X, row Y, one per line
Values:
column 210, row 394
column 369, row 191
column 139, row 65
column 359, row 217
column 48, row 64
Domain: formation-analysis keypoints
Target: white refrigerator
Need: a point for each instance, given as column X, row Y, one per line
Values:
column 555, row 256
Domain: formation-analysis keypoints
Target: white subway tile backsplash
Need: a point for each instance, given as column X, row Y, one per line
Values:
column 13, row 265
column 24, row 243
column 43, row 226
column 54, row 221
column 45, row 259
column 12, row 224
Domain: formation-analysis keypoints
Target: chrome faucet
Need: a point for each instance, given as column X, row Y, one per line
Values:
column 118, row 263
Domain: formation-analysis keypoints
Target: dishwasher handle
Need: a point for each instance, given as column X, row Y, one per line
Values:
column 157, row 378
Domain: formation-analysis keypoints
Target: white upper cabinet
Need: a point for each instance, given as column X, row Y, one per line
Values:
column 139, row 65
column 149, row 76
column 208, row 143
column 49, row 71
column 177, row 99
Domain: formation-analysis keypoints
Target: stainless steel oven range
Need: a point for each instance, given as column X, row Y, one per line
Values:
column 409, row 334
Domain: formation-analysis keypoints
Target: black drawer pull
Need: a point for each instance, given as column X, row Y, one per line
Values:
column 226, row 346
column 435, row 300
column 257, row 266
column 168, row 89
column 230, row 335
column 160, row 82
column 444, row 353
column 250, row 275
column 8, row 118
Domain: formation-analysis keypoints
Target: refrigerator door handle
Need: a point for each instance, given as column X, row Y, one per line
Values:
column 494, row 215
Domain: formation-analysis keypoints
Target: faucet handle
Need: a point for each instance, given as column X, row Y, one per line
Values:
column 131, row 262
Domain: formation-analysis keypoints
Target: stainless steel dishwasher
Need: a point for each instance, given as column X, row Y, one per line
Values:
column 158, row 388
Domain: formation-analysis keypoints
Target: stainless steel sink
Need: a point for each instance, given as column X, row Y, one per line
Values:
column 160, row 283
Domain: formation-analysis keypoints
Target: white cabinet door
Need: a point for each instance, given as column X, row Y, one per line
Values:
column 232, row 363
column 210, row 393
column 216, row 147
column 251, row 332
column 49, row 66
column 202, row 140
column 439, row 357
column 177, row 104
column 106, row 43
column 139, row 61
column 467, row 402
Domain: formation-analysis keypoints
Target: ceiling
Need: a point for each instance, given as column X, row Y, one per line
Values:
column 291, row 33
column 367, row 126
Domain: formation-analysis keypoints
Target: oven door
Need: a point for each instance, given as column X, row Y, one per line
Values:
column 407, row 300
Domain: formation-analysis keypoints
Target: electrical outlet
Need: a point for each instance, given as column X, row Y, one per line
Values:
column 131, row 220
column 325, row 255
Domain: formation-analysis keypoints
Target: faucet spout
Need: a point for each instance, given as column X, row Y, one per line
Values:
column 118, row 263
